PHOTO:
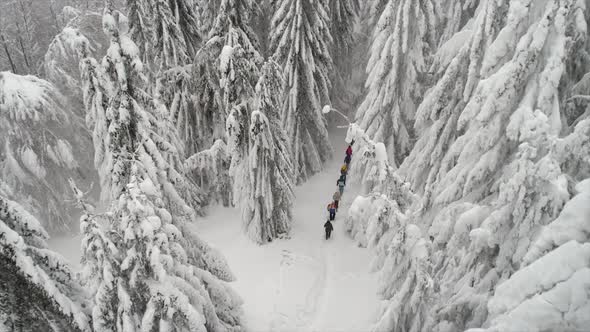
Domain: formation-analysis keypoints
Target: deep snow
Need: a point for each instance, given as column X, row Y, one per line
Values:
column 303, row 283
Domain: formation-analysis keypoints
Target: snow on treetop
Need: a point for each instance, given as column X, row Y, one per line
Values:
column 26, row 97
column 224, row 57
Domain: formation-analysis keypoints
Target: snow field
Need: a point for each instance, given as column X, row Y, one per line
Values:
column 304, row 283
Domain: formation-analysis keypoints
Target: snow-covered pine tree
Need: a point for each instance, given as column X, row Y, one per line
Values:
column 237, row 127
column 138, row 12
column 42, row 144
column 403, row 41
column 225, row 70
column 170, row 48
column 208, row 10
column 268, row 94
column 210, row 169
column 539, row 296
column 343, row 14
column 406, row 283
column 268, row 213
column 62, row 52
column 175, row 36
column 168, row 275
column 174, row 30
column 300, row 38
column 101, row 263
column 239, row 58
column 501, row 179
column 207, row 123
column 38, row 290
column 457, row 63
column 258, row 210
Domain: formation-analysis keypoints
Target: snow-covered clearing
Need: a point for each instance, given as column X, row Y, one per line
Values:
column 304, row 283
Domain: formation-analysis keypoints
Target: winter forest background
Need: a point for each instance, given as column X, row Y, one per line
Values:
column 132, row 121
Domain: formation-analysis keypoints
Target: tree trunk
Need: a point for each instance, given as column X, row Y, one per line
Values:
column 7, row 51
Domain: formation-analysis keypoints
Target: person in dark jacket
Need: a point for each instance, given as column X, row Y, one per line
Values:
column 332, row 210
column 341, row 183
column 347, row 160
column 329, row 228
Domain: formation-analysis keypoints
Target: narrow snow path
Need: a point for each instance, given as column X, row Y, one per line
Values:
column 304, row 283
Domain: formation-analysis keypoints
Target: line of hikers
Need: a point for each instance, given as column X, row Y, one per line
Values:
column 341, row 183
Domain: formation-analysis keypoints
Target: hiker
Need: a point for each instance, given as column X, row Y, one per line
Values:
column 329, row 228
column 332, row 210
column 343, row 170
column 341, row 183
column 349, row 150
column 347, row 160
column 336, row 198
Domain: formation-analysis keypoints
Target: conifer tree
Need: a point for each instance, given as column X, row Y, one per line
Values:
column 175, row 36
column 40, row 147
column 436, row 118
column 168, row 276
column 268, row 212
column 497, row 176
column 343, row 14
column 301, row 40
column 226, row 69
column 402, row 42
column 39, row 291
column 101, row 262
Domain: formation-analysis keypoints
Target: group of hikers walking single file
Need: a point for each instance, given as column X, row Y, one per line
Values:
column 340, row 183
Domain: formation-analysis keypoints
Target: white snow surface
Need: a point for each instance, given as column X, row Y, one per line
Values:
column 303, row 283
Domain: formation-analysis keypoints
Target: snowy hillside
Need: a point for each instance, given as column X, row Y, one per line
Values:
column 295, row 165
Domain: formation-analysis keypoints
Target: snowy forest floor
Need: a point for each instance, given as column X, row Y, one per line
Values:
column 303, row 283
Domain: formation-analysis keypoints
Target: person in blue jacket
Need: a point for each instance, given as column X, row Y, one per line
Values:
column 332, row 210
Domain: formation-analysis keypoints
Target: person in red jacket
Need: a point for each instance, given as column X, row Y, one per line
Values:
column 332, row 210
column 349, row 151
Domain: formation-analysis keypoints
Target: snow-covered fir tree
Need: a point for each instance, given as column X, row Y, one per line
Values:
column 301, row 39
column 175, row 37
column 539, row 296
column 39, row 291
column 403, row 40
column 268, row 210
column 42, row 144
column 62, row 52
column 101, row 262
column 226, row 69
column 343, row 14
column 239, row 58
column 210, row 169
column 489, row 160
column 168, row 276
